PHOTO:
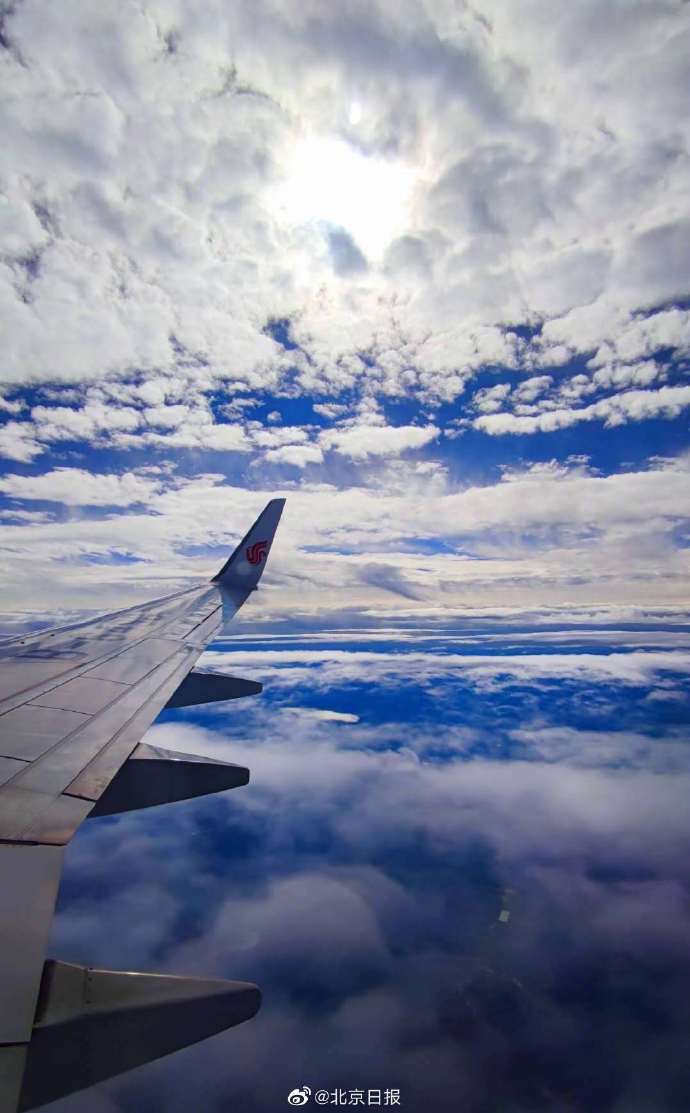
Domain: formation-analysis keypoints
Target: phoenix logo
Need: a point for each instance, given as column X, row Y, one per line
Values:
column 257, row 552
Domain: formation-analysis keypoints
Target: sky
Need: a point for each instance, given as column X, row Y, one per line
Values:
column 423, row 269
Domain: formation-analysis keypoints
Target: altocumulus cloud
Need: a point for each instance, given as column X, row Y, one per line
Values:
column 367, row 256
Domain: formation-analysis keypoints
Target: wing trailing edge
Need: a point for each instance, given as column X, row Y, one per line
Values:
column 153, row 776
column 92, row 1024
column 200, row 687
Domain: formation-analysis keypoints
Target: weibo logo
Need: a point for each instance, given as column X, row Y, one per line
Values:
column 257, row 552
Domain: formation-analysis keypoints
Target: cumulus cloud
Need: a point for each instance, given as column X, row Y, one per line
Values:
column 631, row 405
column 77, row 487
column 192, row 286
column 361, row 441
column 299, row 455
column 491, row 398
column 127, row 240
column 18, row 441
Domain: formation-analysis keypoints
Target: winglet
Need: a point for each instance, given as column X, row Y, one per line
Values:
column 241, row 573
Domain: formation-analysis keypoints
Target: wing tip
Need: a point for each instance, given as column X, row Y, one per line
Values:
column 273, row 510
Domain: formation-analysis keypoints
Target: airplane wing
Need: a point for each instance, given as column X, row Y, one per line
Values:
column 74, row 704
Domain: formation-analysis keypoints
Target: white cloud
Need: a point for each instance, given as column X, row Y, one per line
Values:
column 531, row 388
column 321, row 715
column 192, row 434
column 122, row 232
column 601, row 542
column 58, row 423
column 299, row 455
column 361, row 441
column 320, row 669
column 491, row 398
column 25, row 515
column 18, row 441
column 606, row 748
column 631, row 405
column 274, row 438
column 77, row 487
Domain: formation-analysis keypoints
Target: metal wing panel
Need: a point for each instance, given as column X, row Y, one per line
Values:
column 67, row 763
column 28, row 731
column 39, row 663
column 32, row 875
column 81, row 694
column 74, row 703
column 95, row 777
column 134, row 663
column 9, row 767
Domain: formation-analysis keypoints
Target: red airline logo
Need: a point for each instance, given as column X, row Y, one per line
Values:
column 257, row 552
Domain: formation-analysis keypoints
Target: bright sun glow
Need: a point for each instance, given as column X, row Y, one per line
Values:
column 329, row 181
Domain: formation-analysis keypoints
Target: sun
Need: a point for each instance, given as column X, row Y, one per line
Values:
column 329, row 181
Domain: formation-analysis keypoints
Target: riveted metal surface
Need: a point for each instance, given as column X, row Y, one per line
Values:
column 74, row 703
column 95, row 777
column 28, row 731
column 57, row 823
column 183, row 626
column 20, row 674
column 12, row 1060
column 9, row 766
column 133, row 663
column 31, row 665
column 209, row 687
column 31, row 875
column 29, row 796
column 203, row 633
column 81, row 694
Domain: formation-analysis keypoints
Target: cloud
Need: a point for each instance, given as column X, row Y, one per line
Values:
column 346, row 256
column 326, row 881
column 18, row 442
column 323, row 716
column 321, row 669
column 298, row 455
column 631, row 405
column 64, row 423
column 491, row 398
column 362, row 441
column 131, row 240
column 77, row 487
column 389, row 578
column 531, row 388
column 550, row 537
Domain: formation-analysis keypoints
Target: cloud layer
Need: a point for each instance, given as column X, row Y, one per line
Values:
column 456, row 870
column 166, row 190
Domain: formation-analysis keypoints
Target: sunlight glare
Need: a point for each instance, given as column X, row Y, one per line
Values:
column 329, row 181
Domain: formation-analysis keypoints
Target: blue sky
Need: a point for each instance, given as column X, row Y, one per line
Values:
column 421, row 268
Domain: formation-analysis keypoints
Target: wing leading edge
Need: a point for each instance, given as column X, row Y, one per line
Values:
column 74, row 704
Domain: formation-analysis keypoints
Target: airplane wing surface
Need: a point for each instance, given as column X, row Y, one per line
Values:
column 74, row 704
